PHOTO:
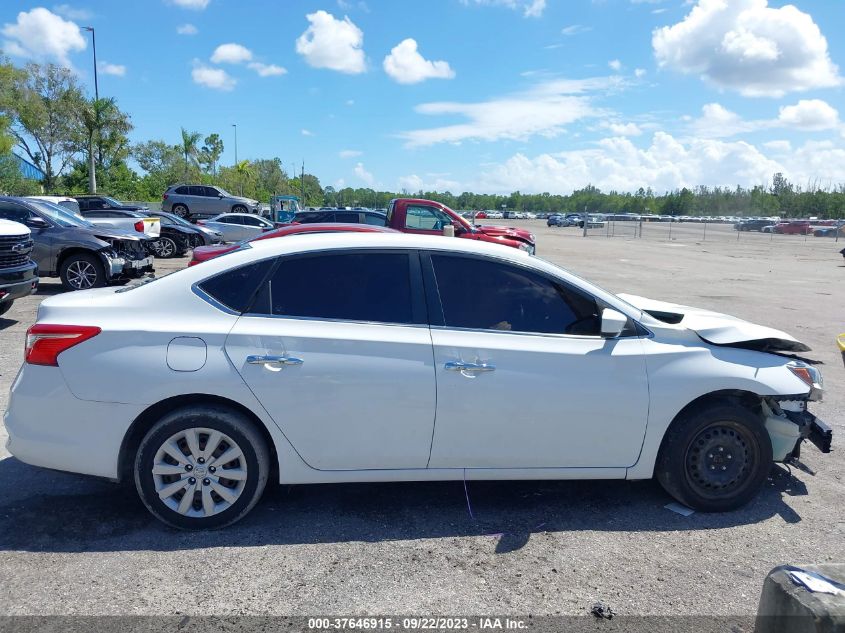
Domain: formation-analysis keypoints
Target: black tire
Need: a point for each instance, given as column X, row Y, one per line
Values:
column 166, row 248
column 230, row 423
column 5, row 307
column 82, row 271
column 239, row 208
column 181, row 210
column 715, row 459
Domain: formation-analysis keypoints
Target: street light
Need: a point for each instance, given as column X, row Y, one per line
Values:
column 94, row 46
column 235, row 125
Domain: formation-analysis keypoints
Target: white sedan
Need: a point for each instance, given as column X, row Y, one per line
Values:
column 379, row 357
column 237, row 227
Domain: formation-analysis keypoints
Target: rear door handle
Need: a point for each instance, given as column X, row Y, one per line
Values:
column 469, row 368
column 274, row 360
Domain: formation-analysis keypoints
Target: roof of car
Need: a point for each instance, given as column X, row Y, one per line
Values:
column 324, row 227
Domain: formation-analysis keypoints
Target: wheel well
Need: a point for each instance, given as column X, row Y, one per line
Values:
column 746, row 399
column 75, row 251
column 151, row 415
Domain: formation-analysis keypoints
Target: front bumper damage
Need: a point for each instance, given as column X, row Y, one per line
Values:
column 126, row 259
column 789, row 423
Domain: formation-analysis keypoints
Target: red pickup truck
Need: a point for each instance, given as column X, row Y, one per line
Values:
column 412, row 215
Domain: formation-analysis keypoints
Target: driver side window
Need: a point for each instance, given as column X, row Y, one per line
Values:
column 483, row 294
column 424, row 218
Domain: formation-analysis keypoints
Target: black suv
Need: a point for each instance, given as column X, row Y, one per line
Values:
column 18, row 273
column 81, row 254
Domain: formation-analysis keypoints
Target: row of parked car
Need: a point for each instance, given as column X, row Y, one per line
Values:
column 819, row 228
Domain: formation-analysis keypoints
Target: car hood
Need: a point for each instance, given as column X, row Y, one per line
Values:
column 506, row 231
column 717, row 328
column 248, row 201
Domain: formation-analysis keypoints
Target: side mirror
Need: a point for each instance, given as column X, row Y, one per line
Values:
column 612, row 323
column 37, row 223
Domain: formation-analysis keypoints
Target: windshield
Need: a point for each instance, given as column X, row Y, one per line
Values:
column 112, row 201
column 174, row 219
column 224, row 192
column 59, row 215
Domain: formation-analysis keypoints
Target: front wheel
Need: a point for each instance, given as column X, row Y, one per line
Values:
column 715, row 459
column 166, row 247
column 239, row 208
column 201, row 467
column 81, row 272
column 181, row 210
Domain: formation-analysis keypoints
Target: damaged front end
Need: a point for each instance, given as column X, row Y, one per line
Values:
column 125, row 258
column 789, row 422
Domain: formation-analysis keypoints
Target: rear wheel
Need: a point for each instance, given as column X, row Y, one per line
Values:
column 181, row 210
column 715, row 459
column 166, row 247
column 81, row 272
column 201, row 467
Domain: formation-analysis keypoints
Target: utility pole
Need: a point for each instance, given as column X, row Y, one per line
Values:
column 235, row 125
column 302, row 183
column 92, row 165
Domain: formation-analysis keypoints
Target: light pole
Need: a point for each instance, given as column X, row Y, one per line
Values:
column 94, row 46
column 235, row 125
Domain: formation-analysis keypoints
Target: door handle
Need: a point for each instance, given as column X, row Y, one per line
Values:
column 469, row 368
column 273, row 360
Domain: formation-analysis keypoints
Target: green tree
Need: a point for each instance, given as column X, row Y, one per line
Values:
column 105, row 137
column 46, row 102
column 189, row 148
column 210, row 152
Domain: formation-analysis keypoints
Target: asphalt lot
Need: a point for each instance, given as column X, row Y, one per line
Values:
column 71, row 545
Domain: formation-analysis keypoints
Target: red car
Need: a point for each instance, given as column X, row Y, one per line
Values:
column 793, row 227
column 204, row 253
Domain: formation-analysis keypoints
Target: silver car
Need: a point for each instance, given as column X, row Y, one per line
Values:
column 198, row 201
column 238, row 226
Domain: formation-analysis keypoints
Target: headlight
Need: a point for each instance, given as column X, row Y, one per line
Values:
column 531, row 237
column 810, row 376
column 525, row 247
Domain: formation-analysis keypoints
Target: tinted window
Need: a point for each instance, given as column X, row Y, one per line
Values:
column 198, row 191
column 183, row 191
column 348, row 286
column 235, row 288
column 347, row 217
column 487, row 295
column 14, row 212
column 374, row 219
column 250, row 220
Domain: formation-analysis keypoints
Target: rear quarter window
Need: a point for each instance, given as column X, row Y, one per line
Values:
column 234, row 289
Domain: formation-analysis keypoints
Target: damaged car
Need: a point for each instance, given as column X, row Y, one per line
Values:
column 82, row 255
column 339, row 357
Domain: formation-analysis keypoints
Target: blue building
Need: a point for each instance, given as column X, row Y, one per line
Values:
column 28, row 170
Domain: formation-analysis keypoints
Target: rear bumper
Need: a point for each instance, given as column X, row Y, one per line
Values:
column 49, row 427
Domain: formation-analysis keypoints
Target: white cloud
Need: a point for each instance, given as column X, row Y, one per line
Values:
column 215, row 78
column 267, row 70
column 543, row 110
column 435, row 182
column 43, row 36
column 778, row 146
column 363, row 174
column 639, row 73
column 187, row 29
column 231, row 54
column 350, row 102
column 196, row 5
column 811, row 115
column 747, row 46
column 624, row 129
column 305, row 132
column 575, row 29
column 405, row 65
column 332, row 43
column 73, row 13
column 529, row 8
column 349, row 153
column 118, row 70
column 615, row 64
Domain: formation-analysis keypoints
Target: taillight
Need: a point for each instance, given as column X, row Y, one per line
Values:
column 45, row 342
column 139, row 226
column 164, row 197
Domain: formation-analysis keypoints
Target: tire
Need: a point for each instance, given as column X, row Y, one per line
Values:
column 715, row 459
column 82, row 271
column 5, row 307
column 237, row 433
column 181, row 210
column 239, row 208
column 166, row 248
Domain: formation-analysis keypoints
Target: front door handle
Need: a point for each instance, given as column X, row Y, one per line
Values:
column 469, row 368
column 273, row 360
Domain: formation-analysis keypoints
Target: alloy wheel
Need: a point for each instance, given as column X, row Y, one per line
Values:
column 166, row 247
column 81, row 275
column 199, row 472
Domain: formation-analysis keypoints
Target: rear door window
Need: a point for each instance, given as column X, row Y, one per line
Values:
column 366, row 286
column 234, row 289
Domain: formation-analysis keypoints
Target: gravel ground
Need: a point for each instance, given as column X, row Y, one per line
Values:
column 71, row 545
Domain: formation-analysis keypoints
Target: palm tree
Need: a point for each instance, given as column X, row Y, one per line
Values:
column 190, row 140
column 97, row 115
column 243, row 170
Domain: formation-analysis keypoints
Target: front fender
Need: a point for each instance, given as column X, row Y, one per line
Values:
column 680, row 372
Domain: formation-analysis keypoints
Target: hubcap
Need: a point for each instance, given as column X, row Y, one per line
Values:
column 720, row 459
column 81, row 275
column 199, row 472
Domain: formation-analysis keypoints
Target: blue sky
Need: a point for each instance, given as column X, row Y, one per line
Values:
column 481, row 95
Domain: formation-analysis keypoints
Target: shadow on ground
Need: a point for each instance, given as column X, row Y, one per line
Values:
column 48, row 511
